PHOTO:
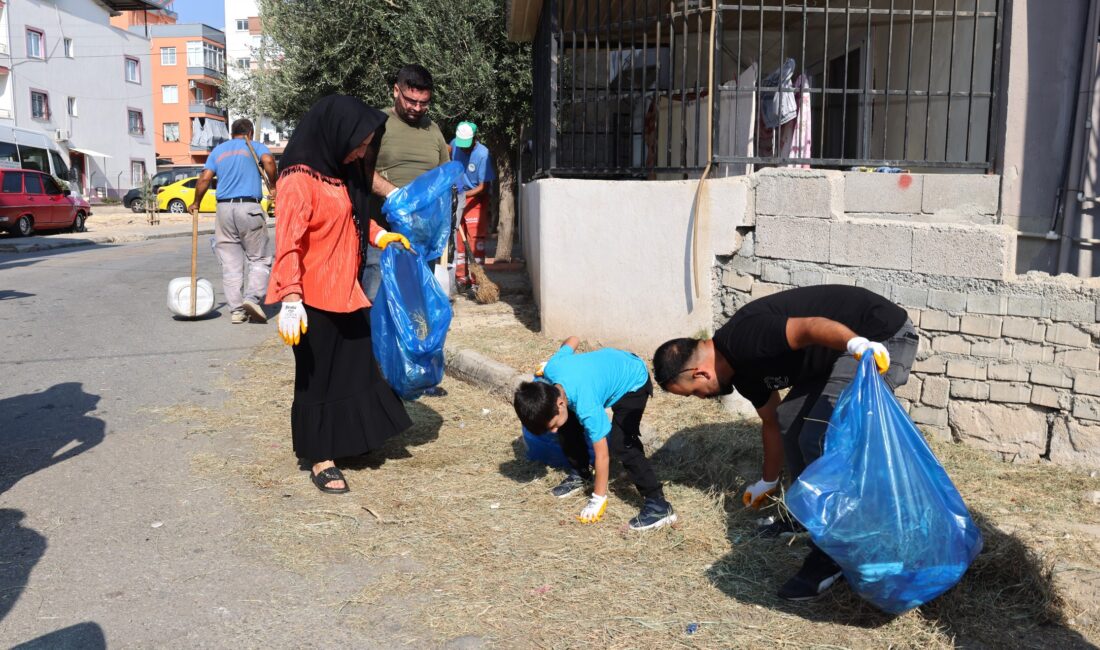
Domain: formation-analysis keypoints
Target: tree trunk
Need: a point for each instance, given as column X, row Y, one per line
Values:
column 506, row 179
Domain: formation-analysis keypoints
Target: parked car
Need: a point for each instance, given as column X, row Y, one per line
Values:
column 134, row 199
column 31, row 201
column 179, row 195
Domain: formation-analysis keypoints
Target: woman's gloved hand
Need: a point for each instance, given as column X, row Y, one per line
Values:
column 385, row 238
column 293, row 321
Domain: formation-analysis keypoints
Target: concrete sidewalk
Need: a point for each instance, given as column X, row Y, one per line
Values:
column 36, row 243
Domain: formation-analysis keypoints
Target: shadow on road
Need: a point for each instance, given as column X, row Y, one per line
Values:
column 86, row 636
column 23, row 547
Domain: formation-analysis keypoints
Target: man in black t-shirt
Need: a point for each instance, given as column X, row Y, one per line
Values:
column 808, row 340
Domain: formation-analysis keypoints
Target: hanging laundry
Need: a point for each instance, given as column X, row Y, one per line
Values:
column 792, row 139
column 777, row 107
column 196, row 132
column 737, row 116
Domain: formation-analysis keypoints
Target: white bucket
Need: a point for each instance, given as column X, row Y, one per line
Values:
column 179, row 297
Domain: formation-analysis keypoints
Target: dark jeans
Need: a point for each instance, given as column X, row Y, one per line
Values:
column 804, row 413
column 624, row 442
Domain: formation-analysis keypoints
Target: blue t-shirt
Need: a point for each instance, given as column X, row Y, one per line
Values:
column 236, row 171
column 593, row 381
column 476, row 166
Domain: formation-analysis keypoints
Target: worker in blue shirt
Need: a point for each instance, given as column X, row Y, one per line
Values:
column 240, row 225
column 474, row 183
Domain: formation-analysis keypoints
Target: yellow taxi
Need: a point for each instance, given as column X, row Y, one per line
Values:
column 179, row 195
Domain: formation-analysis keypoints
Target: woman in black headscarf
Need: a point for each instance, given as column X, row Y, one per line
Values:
column 342, row 404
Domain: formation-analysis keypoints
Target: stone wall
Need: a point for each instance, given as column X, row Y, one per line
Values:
column 1006, row 363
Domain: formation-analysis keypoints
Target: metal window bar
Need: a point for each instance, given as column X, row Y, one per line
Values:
column 865, row 107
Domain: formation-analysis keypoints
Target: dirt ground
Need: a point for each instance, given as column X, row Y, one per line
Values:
column 455, row 521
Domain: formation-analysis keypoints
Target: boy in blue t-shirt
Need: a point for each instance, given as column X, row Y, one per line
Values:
column 570, row 399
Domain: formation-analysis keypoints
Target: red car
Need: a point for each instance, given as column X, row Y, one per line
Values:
column 31, row 200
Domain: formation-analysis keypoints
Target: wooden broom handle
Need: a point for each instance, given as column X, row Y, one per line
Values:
column 194, row 261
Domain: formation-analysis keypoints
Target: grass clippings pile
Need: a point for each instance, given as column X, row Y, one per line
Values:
column 463, row 533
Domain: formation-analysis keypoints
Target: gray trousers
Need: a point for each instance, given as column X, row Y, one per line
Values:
column 804, row 413
column 241, row 246
column 372, row 273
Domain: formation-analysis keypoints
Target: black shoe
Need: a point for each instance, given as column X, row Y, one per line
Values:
column 654, row 514
column 572, row 484
column 817, row 574
column 779, row 528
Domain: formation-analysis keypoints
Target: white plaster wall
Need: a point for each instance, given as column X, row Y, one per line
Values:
column 240, row 44
column 95, row 76
column 610, row 260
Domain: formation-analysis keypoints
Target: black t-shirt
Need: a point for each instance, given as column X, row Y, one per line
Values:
column 754, row 341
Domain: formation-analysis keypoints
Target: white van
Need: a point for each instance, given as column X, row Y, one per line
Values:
column 26, row 149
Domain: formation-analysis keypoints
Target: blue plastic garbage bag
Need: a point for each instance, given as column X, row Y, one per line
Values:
column 422, row 209
column 880, row 504
column 546, row 449
column 409, row 321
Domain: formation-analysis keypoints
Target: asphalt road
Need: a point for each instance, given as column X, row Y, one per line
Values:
column 106, row 539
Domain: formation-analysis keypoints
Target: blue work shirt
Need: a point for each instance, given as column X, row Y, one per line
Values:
column 594, row 381
column 237, row 175
column 475, row 163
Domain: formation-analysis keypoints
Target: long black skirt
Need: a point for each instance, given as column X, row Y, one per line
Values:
column 342, row 403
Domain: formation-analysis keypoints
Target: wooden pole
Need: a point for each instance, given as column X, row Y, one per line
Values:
column 194, row 261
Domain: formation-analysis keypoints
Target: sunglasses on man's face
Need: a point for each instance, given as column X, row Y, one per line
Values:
column 415, row 103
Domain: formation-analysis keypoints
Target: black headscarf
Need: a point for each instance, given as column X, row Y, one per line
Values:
column 325, row 135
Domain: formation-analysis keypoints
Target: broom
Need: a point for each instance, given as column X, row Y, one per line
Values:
column 486, row 291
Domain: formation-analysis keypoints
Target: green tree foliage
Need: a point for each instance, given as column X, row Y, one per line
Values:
column 354, row 47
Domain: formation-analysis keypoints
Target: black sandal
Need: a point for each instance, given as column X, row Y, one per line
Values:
column 326, row 476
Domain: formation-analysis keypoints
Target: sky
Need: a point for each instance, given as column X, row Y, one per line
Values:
column 210, row 12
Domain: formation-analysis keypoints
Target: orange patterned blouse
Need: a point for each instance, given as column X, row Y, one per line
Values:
column 316, row 243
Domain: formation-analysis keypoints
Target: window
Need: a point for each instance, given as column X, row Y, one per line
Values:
column 168, row 56
column 34, row 158
column 201, row 54
column 33, row 183
column 190, row 184
column 135, row 122
column 40, row 105
column 51, row 185
column 36, row 42
column 242, row 24
column 13, row 182
column 69, row 47
column 9, row 154
column 171, row 131
column 72, row 107
column 244, row 62
column 60, row 169
column 137, row 172
column 170, row 94
column 133, row 70
column 199, row 95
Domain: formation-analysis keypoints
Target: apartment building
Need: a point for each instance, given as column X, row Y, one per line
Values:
column 65, row 71
column 243, row 45
column 188, row 65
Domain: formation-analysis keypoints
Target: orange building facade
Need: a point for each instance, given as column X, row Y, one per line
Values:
column 163, row 16
column 188, row 67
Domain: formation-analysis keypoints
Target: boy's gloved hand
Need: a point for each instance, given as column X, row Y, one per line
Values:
column 859, row 345
column 758, row 492
column 292, row 321
column 593, row 510
column 541, row 370
column 385, row 238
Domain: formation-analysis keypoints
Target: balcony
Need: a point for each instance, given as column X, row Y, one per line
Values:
column 204, row 109
column 205, row 72
column 198, row 148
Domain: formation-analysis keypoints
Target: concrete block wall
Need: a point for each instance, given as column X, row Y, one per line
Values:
column 929, row 198
column 1009, row 364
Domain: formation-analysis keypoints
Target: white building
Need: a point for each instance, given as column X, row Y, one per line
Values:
column 243, row 51
column 65, row 71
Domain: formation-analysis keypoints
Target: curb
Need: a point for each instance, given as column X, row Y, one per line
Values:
column 96, row 240
column 474, row 368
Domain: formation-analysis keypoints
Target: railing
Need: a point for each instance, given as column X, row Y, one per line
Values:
column 203, row 71
column 639, row 88
column 203, row 108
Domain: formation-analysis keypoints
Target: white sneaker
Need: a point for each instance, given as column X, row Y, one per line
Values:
column 255, row 312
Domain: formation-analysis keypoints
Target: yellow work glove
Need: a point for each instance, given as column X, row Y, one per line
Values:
column 757, row 493
column 593, row 510
column 293, row 322
column 385, row 238
column 859, row 345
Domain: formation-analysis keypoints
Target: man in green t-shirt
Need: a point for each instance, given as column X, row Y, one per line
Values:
column 411, row 145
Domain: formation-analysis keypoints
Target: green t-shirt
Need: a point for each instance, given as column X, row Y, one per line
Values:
column 407, row 152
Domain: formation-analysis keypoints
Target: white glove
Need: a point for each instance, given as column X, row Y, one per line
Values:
column 758, row 492
column 593, row 510
column 859, row 345
column 292, row 321
column 391, row 192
